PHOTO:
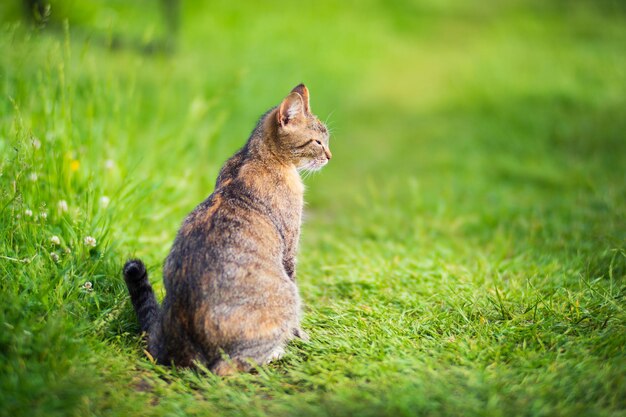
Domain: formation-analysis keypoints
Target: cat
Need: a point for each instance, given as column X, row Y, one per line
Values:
column 230, row 278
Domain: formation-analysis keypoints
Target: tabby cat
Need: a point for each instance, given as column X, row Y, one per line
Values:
column 231, row 297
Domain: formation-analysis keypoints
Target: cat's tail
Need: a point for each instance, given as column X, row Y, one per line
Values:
column 141, row 294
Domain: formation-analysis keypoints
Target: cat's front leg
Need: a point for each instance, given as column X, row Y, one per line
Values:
column 289, row 263
column 290, row 252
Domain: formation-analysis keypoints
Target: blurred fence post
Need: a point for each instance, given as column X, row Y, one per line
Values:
column 171, row 14
column 36, row 11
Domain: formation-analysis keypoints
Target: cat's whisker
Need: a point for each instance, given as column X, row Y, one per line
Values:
column 328, row 117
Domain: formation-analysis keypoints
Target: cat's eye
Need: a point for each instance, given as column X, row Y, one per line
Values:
column 318, row 142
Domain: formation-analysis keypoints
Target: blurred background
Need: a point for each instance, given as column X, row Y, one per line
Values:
column 524, row 92
column 478, row 154
column 472, row 100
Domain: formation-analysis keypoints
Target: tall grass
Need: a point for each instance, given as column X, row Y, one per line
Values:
column 463, row 254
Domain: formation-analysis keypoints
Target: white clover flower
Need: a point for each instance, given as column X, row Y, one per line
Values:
column 54, row 256
column 109, row 164
column 88, row 286
column 62, row 206
column 90, row 241
column 33, row 176
column 36, row 143
column 67, row 250
column 43, row 215
column 55, row 240
column 28, row 213
column 104, row 201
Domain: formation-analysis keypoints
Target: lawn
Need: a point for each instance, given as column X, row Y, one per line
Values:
column 464, row 253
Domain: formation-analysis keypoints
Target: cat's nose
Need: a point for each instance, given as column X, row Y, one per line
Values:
column 328, row 154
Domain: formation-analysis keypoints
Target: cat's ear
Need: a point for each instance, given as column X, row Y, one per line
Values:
column 304, row 92
column 290, row 110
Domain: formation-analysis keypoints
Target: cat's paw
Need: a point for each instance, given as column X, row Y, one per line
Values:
column 278, row 353
column 301, row 334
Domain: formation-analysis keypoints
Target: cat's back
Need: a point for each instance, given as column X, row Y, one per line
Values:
column 239, row 228
column 224, row 275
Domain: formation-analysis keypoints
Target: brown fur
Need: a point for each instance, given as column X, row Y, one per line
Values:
column 231, row 297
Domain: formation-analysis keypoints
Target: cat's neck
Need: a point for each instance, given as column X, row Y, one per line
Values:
column 271, row 176
column 294, row 181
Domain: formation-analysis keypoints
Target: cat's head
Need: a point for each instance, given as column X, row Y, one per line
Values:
column 303, row 138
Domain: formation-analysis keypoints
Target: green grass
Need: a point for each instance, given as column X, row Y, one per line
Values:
column 464, row 253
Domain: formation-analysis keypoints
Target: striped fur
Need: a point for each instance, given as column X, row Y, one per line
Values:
column 231, row 294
